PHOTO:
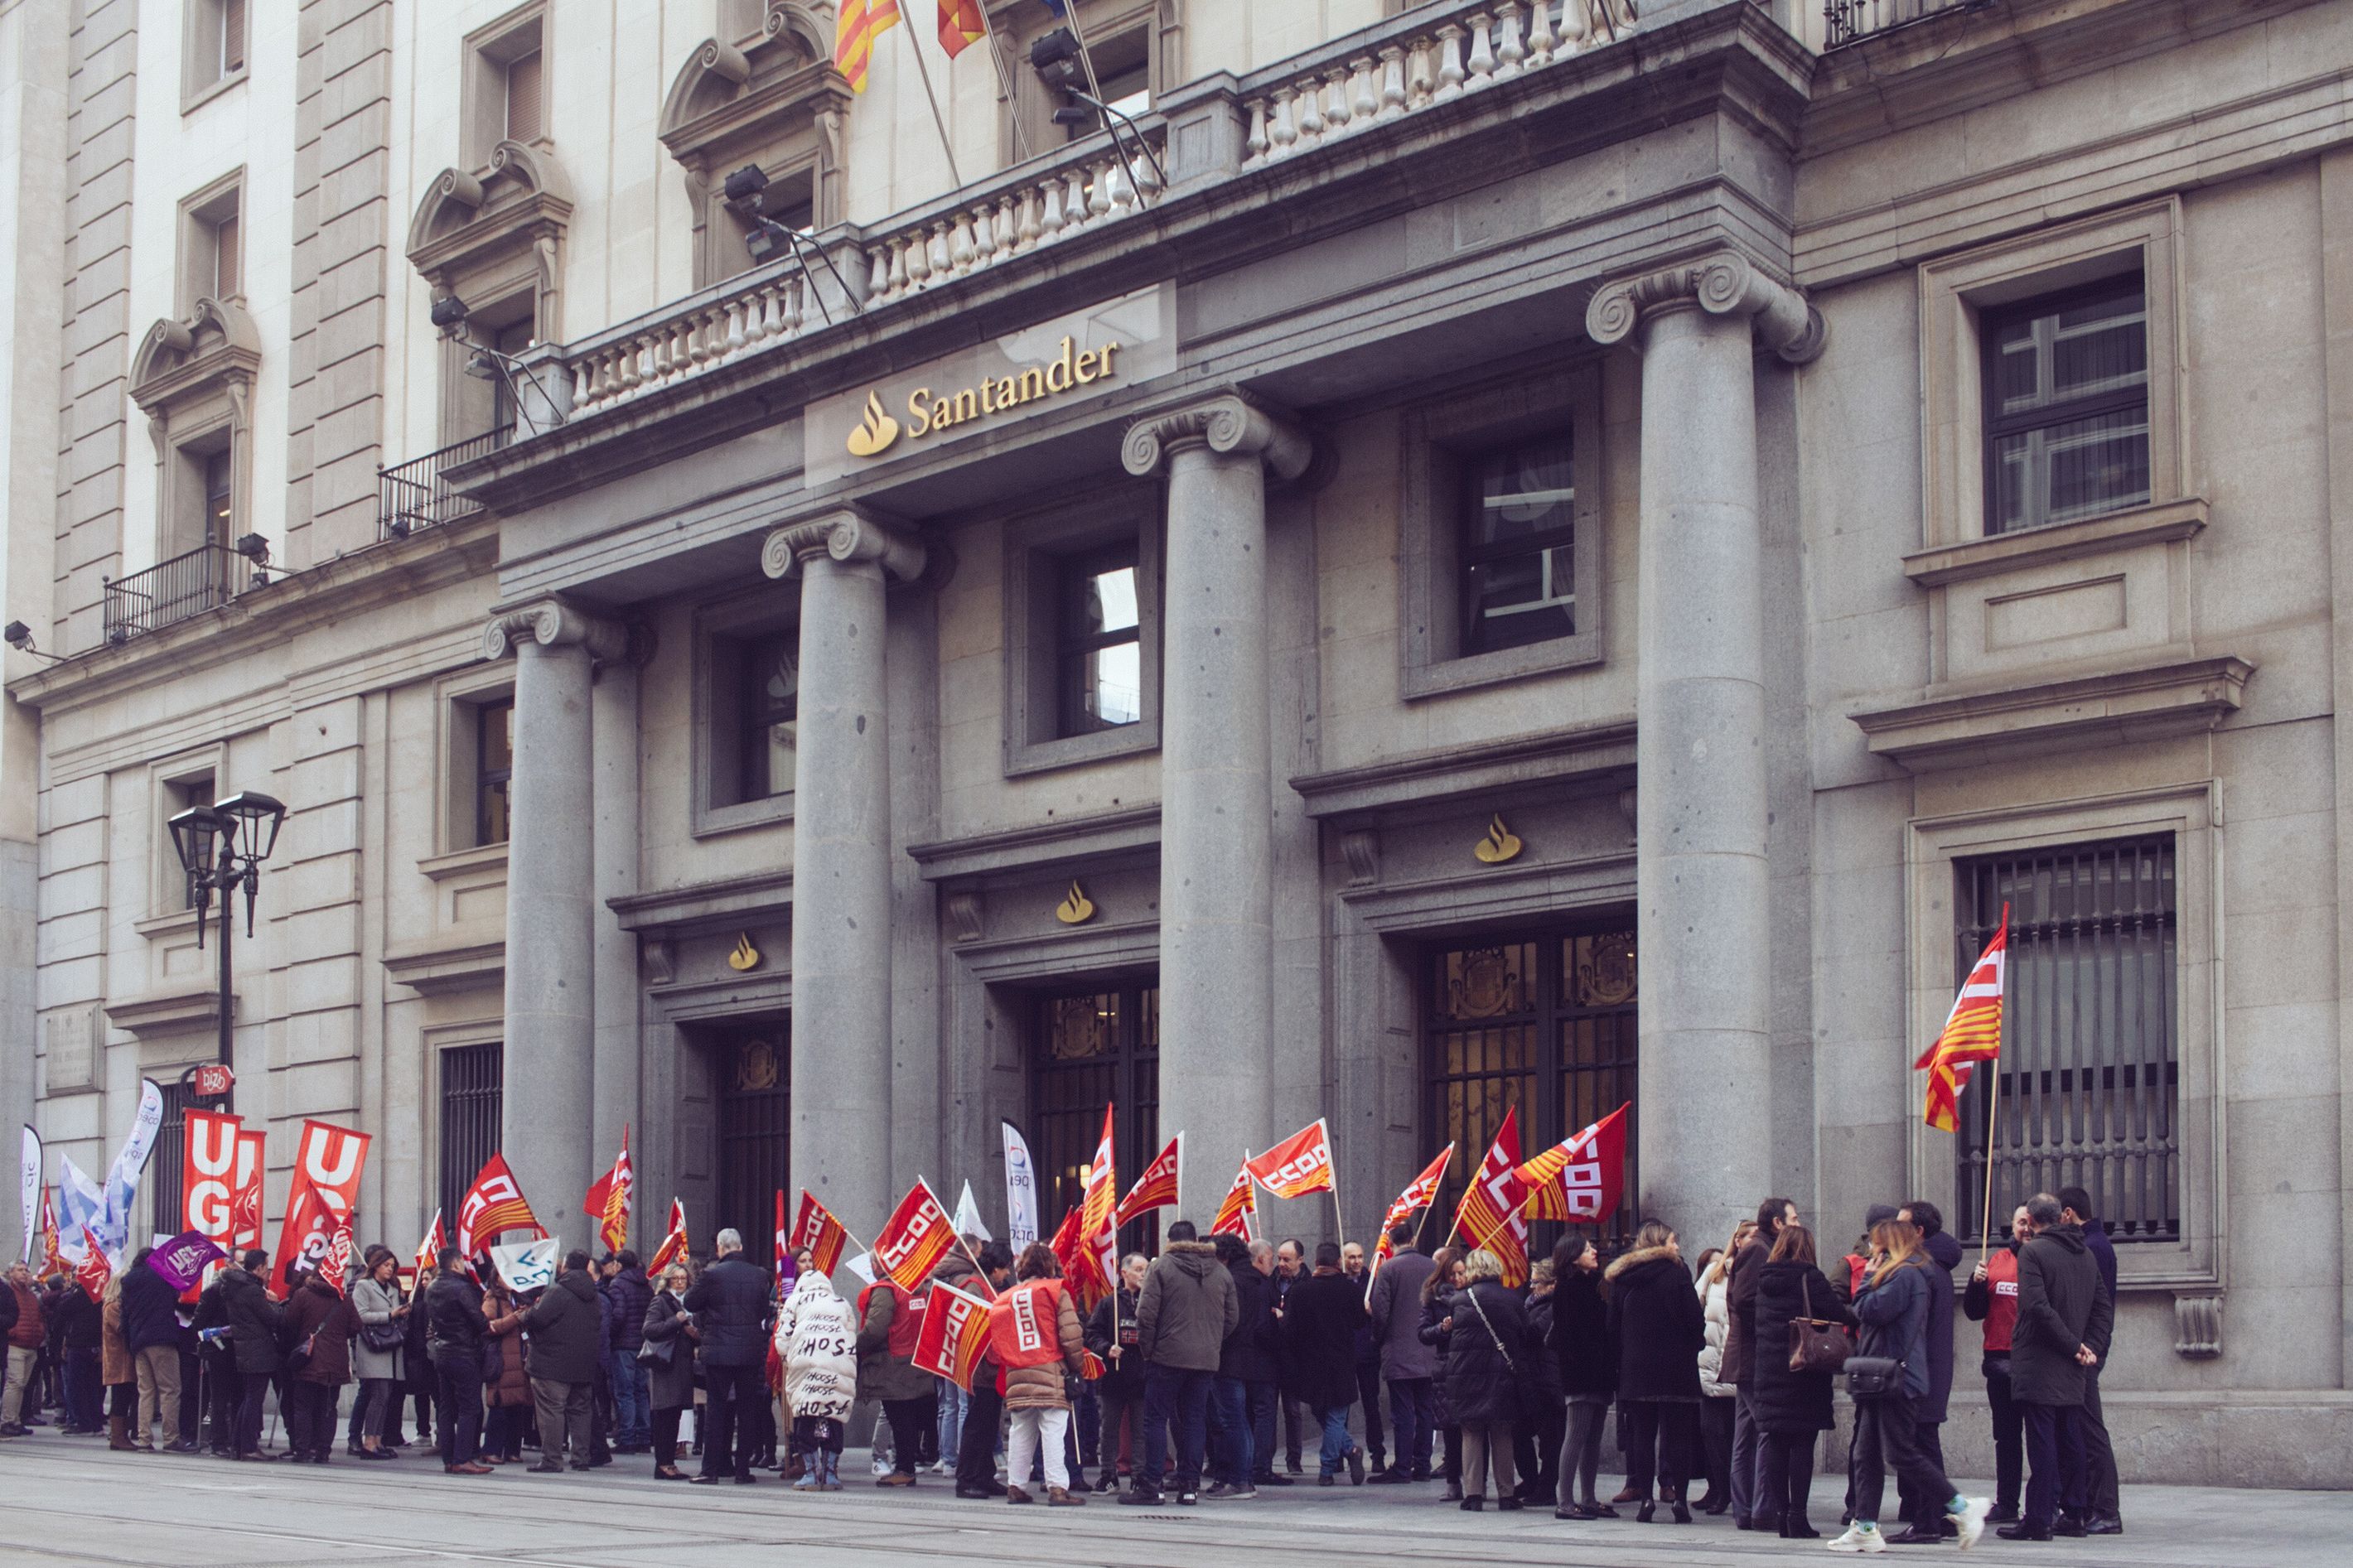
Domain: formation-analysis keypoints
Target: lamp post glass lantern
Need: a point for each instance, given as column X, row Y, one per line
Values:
column 221, row 847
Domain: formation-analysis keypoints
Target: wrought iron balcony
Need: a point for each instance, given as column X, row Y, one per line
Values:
column 1851, row 21
column 413, row 495
column 203, row 579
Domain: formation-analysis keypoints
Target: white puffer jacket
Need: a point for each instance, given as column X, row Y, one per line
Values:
column 816, row 1338
column 1714, row 1295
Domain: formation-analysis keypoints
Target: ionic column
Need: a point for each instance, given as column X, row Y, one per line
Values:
column 841, row 862
column 546, row 1121
column 1701, row 879
column 1217, row 906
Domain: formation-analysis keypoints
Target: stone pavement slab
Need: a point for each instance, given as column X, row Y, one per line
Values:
column 68, row 1501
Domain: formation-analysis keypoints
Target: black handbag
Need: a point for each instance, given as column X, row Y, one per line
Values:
column 1873, row 1378
column 384, row 1338
column 1817, row 1344
column 657, row 1352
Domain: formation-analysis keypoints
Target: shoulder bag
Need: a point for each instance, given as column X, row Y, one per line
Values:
column 1817, row 1344
column 384, row 1338
column 1529, row 1396
column 1873, row 1376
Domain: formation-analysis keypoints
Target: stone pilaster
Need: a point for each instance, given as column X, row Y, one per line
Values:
column 841, row 859
column 548, row 1118
column 1702, row 880
column 1217, row 904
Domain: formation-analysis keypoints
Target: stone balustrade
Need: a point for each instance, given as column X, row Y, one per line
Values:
column 1462, row 51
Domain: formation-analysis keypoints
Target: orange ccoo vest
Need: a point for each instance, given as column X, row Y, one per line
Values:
column 1024, row 1324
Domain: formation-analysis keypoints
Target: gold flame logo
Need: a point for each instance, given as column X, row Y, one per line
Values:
column 1500, row 845
column 875, row 432
column 743, row 955
column 1076, row 908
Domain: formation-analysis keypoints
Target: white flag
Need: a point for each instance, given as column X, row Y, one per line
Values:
column 967, row 1216
column 863, row 1266
column 526, row 1265
column 1020, row 1192
column 130, row 1164
column 81, row 1206
column 29, row 1183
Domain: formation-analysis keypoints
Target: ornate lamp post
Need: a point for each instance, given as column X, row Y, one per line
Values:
column 222, row 846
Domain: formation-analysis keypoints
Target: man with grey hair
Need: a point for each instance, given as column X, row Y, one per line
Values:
column 2064, row 1323
column 731, row 1307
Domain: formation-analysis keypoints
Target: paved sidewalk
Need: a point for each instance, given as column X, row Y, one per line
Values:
column 67, row 1501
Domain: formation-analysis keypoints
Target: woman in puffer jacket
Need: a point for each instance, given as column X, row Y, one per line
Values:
column 816, row 1336
column 1717, row 1398
column 1035, row 1337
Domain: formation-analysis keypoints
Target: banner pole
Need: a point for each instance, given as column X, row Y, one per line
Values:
column 1339, row 1219
column 1993, row 1124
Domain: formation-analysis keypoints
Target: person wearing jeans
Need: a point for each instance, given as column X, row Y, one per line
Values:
column 1393, row 1309
column 1183, row 1314
column 1320, row 1320
column 1248, row 1359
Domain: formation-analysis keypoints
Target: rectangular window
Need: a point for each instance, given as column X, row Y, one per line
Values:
column 755, row 1129
column 168, row 1160
column 229, row 281
column 220, row 510
column 2066, row 406
column 523, row 98
column 2090, row 1065
column 493, row 769
column 179, row 794
column 216, row 47
column 473, row 1092
column 1518, row 555
column 1099, row 653
column 767, row 689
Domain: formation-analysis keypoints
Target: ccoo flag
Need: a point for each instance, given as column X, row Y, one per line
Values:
column 1300, row 1164
column 1238, row 1215
column 1417, row 1195
column 607, row 1202
column 1579, row 1179
column 1494, row 1213
column 1157, row 1188
column 917, row 1237
column 954, row 1334
column 1972, row 1034
column 815, row 1229
column 674, row 1247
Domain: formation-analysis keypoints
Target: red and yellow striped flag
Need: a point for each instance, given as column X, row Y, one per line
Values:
column 1972, row 1034
column 855, row 28
column 961, row 23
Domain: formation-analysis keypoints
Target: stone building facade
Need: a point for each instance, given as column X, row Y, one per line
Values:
column 1448, row 557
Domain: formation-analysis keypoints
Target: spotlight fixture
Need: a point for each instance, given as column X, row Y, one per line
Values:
column 449, row 314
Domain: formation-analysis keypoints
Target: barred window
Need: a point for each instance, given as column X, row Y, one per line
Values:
column 473, row 1091
column 756, row 1121
column 167, row 1161
column 2090, row 1063
column 1093, row 1049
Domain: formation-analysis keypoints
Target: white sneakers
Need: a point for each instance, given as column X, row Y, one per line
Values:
column 1972, row 1519
column 1864, row 1538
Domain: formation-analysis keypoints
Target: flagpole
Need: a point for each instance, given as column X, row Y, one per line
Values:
column 1339, row 1220
column 925, row 72
column 1993, row 1121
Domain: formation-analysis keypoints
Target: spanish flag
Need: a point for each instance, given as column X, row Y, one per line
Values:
column 1972, row 1034
column 961, row 23
column 855, row 28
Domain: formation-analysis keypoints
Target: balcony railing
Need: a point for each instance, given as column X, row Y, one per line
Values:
column 1851, row 21
column 203, row 579
column 413, row 495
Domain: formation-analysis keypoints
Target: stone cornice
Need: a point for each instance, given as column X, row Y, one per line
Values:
column 554, row 623
column 1226, row 424
column 852, row 535
column 1726, row 283
column 1949, row 727
column 1034, row 846
column 217, row 347
column 1601, row 751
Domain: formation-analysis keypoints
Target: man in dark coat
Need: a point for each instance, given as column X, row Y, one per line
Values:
column 1250, row 1371
column 1738, row 1362
column 2063, row 1325
column 1925, row 1517
column 79, row 1328
column 1368, row 1357
column 1112, row 1335
column 567, row 1336
column 1320, row 1318
column 730, row 1304
column 2099, row 1454
column 976, row 1445
column 631, row 1293
column 253, row 1324
column 455, row 1328
column 151, row 1332
column 1182, row 1318
column 1394, row 1313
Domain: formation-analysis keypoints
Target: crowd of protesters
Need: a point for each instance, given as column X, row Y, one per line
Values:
column 1217, row 1370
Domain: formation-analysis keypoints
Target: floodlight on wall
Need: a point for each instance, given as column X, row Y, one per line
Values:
column 449, row 314
column 19, row 636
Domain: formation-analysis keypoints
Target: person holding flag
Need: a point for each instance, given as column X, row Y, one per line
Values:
column 317, row 1317
column 631, row 1292
column 253, row 1328
column 1034, row 1335
column 890, row 1323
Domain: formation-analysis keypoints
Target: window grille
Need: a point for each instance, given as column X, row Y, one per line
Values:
column 1095, row 1047
column 755, row 1136
column 168, row 1161
column 2090, row 1065
column 473, row 1081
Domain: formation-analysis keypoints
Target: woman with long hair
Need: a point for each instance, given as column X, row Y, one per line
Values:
column 1488, row 1354
column 379, row 1349
column 1588, row 1359
column 669, row 1365
column 1656, row 1319
column 1437, row 1319
column 1893, row 1305
column 1792, row 1407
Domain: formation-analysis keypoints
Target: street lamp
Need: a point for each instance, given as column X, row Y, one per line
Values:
column 221, row 847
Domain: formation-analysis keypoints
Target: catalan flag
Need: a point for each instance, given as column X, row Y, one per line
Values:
column 855, row 28
column 609, row 1199
column 961, row 23
column 1972, row 1034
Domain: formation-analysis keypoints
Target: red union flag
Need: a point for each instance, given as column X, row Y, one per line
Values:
column 1494, row 1213
column 245, row 1206
column 815, row 1229
column 428, row 1251
column 917, row 1237
column 209, row 1177
column 1238, row 1215
column 93, row 1271
column 1099, row 1229
column 1417, row 1195
column 1300, row 1164
column 335, row 1267
column 954, row 1335
column 1580, row 1179
column 1157, row 1188
column 607, row 1202
column 674, row 1247
column 328, row 1161
column 493, row 1205
column 1972, row 1034
column 53, row 1257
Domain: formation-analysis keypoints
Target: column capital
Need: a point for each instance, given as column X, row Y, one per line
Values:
column 1724, row 284
column 551, row 623
column 850, row 535
column 1228, row 422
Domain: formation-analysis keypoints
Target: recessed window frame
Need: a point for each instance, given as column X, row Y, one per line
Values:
column 1997, row 427
column 1957, row 292
column 722, row 630
column 203, row 215
column 194, row 778
column 490, row 55
column 462, row 701
column 1106, row 23
column 216, row 46
column 1040, row 547
column 1075, row 645
column 1438, row 436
